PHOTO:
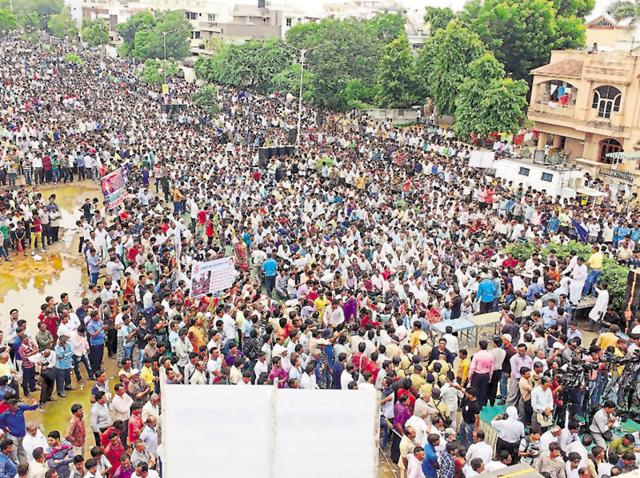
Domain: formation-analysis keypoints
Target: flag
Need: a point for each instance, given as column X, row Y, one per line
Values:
column 580, row 230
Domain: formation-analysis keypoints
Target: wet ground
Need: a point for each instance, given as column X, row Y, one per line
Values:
column 25, row 281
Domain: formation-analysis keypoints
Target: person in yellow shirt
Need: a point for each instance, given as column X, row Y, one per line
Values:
column 462, row 367
column 417, row 380
column 360, row 182
column 418, row 337
column 608, row 339
column 320, row 304
column 595, row 269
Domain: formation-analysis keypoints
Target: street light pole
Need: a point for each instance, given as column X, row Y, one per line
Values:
column 164, row 45
column 302, row 53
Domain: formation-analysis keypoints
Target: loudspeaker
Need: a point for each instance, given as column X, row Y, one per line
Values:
column 292, row 135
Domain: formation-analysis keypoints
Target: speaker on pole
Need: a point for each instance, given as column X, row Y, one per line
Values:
column 292, row 136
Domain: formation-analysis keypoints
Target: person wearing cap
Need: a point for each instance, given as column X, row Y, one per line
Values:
column 64, row 363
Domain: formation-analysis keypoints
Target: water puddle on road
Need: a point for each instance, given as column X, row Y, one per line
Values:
column 25, row 281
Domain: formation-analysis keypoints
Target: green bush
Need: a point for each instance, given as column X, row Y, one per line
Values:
column 73, row 59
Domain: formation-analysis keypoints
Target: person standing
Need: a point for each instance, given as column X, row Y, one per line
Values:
column 414, row 463
column 517, row 362
column 542, row 404
column 269, row 268
column 8, row 464
column 64, row 362
column 13, row 423
column 470, row 407
column 76, row 434
column 498, row 354
column 486, row 294
column 96, row 330
column 100, row 418
column 481, row 371
column 28, row 348
column 59, row 454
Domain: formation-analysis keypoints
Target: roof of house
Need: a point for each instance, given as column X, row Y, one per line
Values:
column 565, row 68
column 606, row 21
column 249, row 11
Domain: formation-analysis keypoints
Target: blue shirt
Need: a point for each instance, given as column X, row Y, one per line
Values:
column 63, row 356
column 430, row 461
column 15, row 422
column 269, row 267
column 8, row 468
column 486, row 291
column 92, row 328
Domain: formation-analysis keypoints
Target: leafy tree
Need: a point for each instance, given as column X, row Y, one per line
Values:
column 342, row 51
column 438, row 17
column 625, row 9
column 8, row 21
column 43, row 9
column 206, row 98
column 288, row 81
column 178, row 39
column 388, row 26
column 143, row 21
column 95, row 33
column 30, row 22
column 153, row 71
column 358, row 94
column 573, row 8
column 61, row 25
column 73, row 59
column 522, row 33
column 396, row 77
column 443, row 61
column 253, row 64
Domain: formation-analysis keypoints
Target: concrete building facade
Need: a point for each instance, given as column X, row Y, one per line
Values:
column 586, row 106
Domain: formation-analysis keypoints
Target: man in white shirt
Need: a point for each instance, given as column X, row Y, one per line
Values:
column 121, row 403
column 452, row 341
column 308, row 379
column 480, row 449
column 33, row 439
column 542, row 400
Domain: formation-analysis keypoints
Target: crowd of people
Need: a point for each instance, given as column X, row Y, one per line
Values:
column 348, row 251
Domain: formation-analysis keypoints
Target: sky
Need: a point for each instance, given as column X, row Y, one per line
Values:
column 601, row 5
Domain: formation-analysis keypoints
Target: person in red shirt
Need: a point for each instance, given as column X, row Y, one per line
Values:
column 135, row 424
column 510, row 262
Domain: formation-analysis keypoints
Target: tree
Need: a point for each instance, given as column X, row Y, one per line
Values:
column 253, row 64
column 438, row 17
column 73, row 59
column 8, row 21
column 180, row 33
column 388, row 26
column 143, row 21
column 522, row 33
column 342, row 51
column 443, row 62
column 61, row 25
column 153, row 71
column 396, row 81
column 42, row 9
column 573, row 8
column 288, row 81
column 95, row 33
column 625, row 9
column 206, row 98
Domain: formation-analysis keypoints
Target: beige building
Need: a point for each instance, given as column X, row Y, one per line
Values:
column 587, row 105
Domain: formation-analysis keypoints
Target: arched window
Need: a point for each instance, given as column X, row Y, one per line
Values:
column 607, row 146
column 606, row 99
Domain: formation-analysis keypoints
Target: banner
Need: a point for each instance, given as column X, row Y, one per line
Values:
column 113, row 188
column 212, row 276
column 481, row 159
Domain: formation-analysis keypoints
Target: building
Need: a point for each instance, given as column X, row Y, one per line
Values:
column 611, row 35
column 587, row 106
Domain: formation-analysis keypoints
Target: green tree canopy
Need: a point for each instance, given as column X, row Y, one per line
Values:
column 142, row 35
column 438, row 17
column 396, row 81
column 42, row 9
column 443, row 61
column 625, row 9
column 388, row 26
column 522, row 33
column 8, row 21
column 206, row 98
column 61, row 25
column 253, row 64
column 153, row 71
column 288, row 81
column 95, row 33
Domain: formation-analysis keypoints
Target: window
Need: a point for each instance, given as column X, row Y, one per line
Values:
column 548, row 177
column 195, row 35
column 211, row 17
column 191, row 15
column 264, row 20
column 524, row 171
column 289, row 21
column 606, row 99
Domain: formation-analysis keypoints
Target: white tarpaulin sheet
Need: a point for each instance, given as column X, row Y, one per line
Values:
column 481, row 159
column 264, row 432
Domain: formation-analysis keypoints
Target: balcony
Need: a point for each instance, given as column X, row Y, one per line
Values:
column 546, row 109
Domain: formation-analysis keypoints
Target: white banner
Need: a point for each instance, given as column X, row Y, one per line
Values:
column 289, row 433
column 481, row 159
column 212, row 276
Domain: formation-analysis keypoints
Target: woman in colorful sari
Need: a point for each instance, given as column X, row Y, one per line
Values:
column 242, row 257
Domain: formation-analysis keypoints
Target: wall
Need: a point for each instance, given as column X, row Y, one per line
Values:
column 510, row 170
column 397, row 116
